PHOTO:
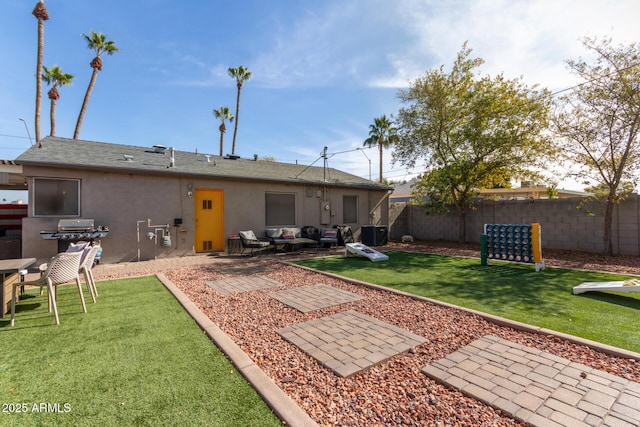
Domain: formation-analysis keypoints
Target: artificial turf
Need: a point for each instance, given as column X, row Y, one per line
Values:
column 509, row 290
column 135, row 358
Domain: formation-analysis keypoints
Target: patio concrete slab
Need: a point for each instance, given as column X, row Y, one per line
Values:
column 236, row 285
column 349, row 342
column 316, row 297
column 536, row 387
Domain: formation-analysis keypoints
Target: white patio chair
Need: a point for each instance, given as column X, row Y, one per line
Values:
column 86, row 262
column 62, row 268
column 85, row 268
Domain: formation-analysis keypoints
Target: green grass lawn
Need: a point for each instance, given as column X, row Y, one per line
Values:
column 135, row 359
column 512, row 291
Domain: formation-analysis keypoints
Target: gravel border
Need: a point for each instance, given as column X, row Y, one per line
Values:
column 395, row 392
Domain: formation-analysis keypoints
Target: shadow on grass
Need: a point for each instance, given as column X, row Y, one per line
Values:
column 617, row 299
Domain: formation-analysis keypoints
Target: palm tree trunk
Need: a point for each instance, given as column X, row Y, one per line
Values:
column 235, row 128
column 223, row 129
column 53, row 117
column 380, row 146
column 39, row 76
column 87, row 95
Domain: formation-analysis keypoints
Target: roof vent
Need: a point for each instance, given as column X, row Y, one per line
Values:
column 231, row 157
column 159, row 149
column 172, row 158
column 127, row 157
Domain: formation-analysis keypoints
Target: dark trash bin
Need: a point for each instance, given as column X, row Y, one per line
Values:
column 374, row 235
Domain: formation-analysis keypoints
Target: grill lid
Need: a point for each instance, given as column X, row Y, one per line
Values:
column 78, row 224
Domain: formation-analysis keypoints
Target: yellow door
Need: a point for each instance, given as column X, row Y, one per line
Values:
column 209, row 220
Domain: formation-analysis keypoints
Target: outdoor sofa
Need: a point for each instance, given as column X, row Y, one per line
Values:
column 288, row 237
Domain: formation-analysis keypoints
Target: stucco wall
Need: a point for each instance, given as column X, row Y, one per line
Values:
column 124, row 202
column 563, row 226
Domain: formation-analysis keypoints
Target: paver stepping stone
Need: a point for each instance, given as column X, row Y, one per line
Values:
column 316, row 297
column 536, row 387
column 236, row 285
column 245, row 269
column 350, row 342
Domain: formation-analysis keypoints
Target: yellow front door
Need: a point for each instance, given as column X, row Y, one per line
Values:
column 209, row 220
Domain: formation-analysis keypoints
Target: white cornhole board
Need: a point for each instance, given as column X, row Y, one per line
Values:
column 604, row 286
column 365, row 251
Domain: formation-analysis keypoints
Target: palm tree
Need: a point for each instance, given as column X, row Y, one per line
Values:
column 223, row 114
column 241, row 74
column 381, row 133
column 41, row 13
column 54, row 76
column 99, row 43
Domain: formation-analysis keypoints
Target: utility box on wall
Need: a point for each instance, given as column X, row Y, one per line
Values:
column 374, row 235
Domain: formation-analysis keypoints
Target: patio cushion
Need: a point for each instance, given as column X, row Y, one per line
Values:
column 248, row 235
column 288, row 233
column 329, row 233
column 273, row 233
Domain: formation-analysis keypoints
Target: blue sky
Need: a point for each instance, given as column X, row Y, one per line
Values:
column 322, row 70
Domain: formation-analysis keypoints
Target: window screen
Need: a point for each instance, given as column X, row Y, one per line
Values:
column 350, row 209
column 280, row 209
column 56, row 197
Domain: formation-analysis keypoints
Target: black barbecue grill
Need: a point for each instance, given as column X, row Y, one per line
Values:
column 74, row 230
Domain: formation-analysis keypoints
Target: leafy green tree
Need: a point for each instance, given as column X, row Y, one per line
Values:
column 241, row 74
column 381, row 133
column 223, row 115
column 55, row 77
column 469, row 130
column 41, row 14
column 597, row 124
column 97, row 42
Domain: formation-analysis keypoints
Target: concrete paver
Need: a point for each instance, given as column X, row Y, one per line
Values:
column 537, row 387
column 236, row 285
column 355, row 341
column 316, row 297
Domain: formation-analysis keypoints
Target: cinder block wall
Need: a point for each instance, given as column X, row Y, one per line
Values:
column 563, row 225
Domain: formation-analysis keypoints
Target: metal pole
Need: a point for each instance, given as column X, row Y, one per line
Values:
column 369, row 162
column 27, row 128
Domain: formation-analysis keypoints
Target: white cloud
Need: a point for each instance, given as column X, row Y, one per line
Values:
column 524, row 38
column 337, row 44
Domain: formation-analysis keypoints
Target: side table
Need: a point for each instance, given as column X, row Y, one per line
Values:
column 234, row 245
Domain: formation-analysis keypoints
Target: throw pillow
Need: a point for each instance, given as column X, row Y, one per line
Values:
column 288, row 233
column 330, row 233
column 248, row 235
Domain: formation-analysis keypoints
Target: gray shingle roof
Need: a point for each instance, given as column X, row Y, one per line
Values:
column 79, row 154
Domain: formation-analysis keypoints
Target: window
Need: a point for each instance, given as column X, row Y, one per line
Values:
column 280, row 209
column 350, row 209
column 56, row 197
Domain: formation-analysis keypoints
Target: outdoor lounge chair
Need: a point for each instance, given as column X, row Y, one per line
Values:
column 249, row 241
column 62, row 268
column 329, row 236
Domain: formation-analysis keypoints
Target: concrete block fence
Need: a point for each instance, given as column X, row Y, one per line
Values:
column 563, row 225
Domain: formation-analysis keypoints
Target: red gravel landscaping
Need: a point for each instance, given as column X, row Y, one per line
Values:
column 394, row 392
